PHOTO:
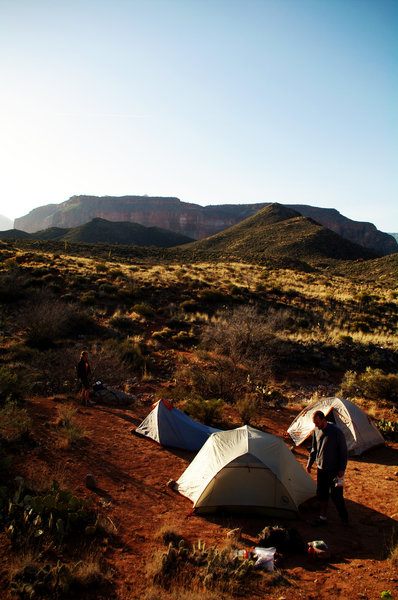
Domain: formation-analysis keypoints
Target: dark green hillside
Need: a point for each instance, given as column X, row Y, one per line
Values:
column 109, row 232
column 14, row 234
column 277, row 231
column 383, row 269
column 101, row 231
column 52, row 233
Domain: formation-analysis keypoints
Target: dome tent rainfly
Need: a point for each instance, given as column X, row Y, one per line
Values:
column 359, row 431
column 171, row 427
column 246, row 469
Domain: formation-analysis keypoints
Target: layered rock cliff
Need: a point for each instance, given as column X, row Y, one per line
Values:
column 192, row 220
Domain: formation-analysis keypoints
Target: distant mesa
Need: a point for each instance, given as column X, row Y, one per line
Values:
column 192, row 220
column 107, row 232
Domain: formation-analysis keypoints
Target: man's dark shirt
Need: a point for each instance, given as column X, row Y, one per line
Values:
column 329, row 449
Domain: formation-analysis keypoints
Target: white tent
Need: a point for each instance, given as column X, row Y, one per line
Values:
column 246, row 469
column 171, row 427
column 358, row 429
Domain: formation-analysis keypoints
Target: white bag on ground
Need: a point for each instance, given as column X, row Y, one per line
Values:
column 264, row 558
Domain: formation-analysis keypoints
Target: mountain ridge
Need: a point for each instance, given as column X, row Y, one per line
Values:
column 192, row 220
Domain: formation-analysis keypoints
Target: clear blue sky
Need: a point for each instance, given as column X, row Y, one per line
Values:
column 212, row 101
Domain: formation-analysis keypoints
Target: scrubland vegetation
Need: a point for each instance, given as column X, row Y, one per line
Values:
column 206, row 335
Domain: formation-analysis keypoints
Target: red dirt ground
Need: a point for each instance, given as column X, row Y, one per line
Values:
column 132, row 473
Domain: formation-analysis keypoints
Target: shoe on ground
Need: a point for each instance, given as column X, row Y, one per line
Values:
column 319, row 522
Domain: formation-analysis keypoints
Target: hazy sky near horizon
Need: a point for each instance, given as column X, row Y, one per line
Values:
column 211, row 101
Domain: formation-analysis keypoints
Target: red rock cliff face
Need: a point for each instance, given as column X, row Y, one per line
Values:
column 195, row 221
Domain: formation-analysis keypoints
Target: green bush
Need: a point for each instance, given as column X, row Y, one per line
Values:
column 68, row 426
column 88, row 298
column 121, row 322
column 389, row 429
column 49, row 320
column 143, row 309
column 163, row 334
column 214, row 297
column 129, row 351
column 189, row 306
column 205, row 411
column 185, row 338
column 12, row 385
column 12, row 287
column 248, row 408
column 14, row 421
column 378, row 385
column 372, row 384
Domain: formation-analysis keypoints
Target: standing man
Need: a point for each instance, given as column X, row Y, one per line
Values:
column 329, row 450
column 84, row 374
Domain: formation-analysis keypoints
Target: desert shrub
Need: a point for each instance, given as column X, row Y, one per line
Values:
column 245, row 337
column 12, row 385
column 214, row 296
column 176, row 323
column 108, row 288
column 12, row 287
column 269, row 394
column 49, row 319
column 78, row 281
column 376, row 385
column 121, row 322
column 88, row 298
column 372, row 384
column 53, row 371
column 21, row 352
column 129, row 351
column 207, row 567
column 10, row 263
column 78, row 321
column 202, row 381
column 360, row 325
column 205, row 411
column 14, row 421
column 101, row 267
column 185, row 338
column 350, row 385
column 68, row 427
column 143, row 309
column 189, row 306
column 38, row 580
column 248, row 408
column 162, row 334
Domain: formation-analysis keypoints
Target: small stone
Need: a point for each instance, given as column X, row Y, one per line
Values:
column 91, row 482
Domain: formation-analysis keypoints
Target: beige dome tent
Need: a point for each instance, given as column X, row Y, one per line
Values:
column 246, row 469
column 358, row 429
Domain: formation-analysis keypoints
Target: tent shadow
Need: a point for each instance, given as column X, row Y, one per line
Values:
column 120, row 415
column 383, row 455
column 369, row 535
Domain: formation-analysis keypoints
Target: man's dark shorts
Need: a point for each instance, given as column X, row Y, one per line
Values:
column 85, row 383
column 325, row 482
